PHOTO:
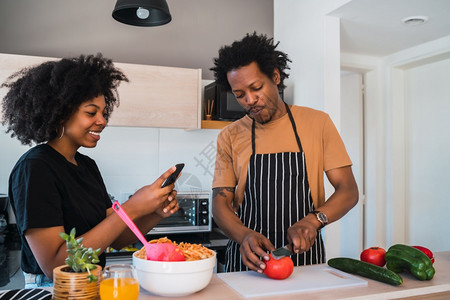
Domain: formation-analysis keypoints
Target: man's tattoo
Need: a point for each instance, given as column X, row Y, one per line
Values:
column 221, row 191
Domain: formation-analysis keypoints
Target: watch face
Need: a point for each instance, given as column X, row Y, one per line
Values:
column 322, row 218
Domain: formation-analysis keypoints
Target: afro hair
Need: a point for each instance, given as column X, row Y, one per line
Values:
column 252, row 48
column 43, row 96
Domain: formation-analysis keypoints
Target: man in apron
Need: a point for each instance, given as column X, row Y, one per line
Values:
column 268, row 188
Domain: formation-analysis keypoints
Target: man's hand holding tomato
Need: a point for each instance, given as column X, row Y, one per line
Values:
column 254, row 246
column 253, row 249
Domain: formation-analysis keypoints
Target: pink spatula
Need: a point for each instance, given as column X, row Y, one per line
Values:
column 156, row 251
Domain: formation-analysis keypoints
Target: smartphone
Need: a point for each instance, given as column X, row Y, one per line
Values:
column 171, row 179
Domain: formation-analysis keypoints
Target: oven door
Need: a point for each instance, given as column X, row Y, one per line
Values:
column 193, row 215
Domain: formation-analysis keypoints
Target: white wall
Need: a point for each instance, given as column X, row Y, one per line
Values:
column 352, row 134
column 132, row 157
column 300, row 26
column 427, row 154
column 396, row 68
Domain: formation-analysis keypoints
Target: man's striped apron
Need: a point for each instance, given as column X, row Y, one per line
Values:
column 277, row 195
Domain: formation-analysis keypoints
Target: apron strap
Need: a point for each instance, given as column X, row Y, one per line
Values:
column 253, row 137
column 294, row 127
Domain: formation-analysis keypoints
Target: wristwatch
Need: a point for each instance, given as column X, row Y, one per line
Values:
column 321, row 217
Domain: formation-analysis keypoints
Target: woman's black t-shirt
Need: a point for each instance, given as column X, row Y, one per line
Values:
column 45, row 190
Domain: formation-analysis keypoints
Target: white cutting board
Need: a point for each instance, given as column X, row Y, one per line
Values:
column 303, row 279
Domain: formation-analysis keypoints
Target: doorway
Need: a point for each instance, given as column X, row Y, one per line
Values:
column 421, row 168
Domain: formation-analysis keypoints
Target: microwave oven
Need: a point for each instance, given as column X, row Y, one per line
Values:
column 226, row 107
column 193, row 215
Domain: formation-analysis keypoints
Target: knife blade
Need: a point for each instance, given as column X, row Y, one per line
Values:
column 282, row 252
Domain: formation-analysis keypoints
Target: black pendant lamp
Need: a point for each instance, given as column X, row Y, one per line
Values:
column 142, row 12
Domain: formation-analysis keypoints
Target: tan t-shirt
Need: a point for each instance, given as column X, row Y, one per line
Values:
column 320, row 140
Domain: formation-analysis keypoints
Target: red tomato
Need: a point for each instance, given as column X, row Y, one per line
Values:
column 374, row 255
column 279, row 268
column 426, row 251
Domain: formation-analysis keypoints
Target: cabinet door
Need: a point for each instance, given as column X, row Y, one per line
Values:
column 158, row 97
column 155, row 96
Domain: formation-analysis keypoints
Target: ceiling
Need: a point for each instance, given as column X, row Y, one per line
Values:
column 63, row 28
column 374, row 27
column 56, row 28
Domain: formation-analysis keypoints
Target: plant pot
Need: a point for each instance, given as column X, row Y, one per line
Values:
column 70, row 285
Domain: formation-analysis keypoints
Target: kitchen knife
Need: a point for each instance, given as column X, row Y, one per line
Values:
column 282, row 252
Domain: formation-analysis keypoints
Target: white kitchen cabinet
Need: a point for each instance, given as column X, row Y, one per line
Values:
column 156, row 96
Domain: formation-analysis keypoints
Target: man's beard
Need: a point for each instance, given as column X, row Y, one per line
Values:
column 260, row 122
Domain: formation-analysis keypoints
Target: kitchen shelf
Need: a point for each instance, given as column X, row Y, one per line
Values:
column 213, row 124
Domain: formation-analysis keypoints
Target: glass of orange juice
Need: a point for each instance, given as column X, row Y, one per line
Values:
column 119, row 282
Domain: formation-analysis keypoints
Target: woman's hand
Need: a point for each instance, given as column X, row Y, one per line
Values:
column 150, row 198
column 169, row 207
column 254, row 246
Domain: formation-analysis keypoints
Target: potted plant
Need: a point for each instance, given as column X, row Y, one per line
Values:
column 79, row 278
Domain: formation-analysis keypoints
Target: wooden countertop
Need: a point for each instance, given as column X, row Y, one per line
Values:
column 411, row 288
column 436, row 289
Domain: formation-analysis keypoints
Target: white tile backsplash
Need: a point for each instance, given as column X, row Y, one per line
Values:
column 196, row 149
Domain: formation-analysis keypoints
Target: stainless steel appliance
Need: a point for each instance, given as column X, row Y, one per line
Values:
column 194, row 215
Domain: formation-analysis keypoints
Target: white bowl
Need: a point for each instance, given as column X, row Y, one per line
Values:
column 174, row 278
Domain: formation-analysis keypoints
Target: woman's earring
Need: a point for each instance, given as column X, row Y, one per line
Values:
column 62, row 133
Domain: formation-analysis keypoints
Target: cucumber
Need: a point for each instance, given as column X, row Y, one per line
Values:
column 396, row 267
column 401, row 257
column 416, row 253
column 404, row 259
column 364, row 269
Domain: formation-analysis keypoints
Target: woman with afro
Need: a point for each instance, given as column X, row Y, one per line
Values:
column 62, row 106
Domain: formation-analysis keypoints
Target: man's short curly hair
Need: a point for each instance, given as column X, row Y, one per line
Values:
column 252, row 48
column 43, row 96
